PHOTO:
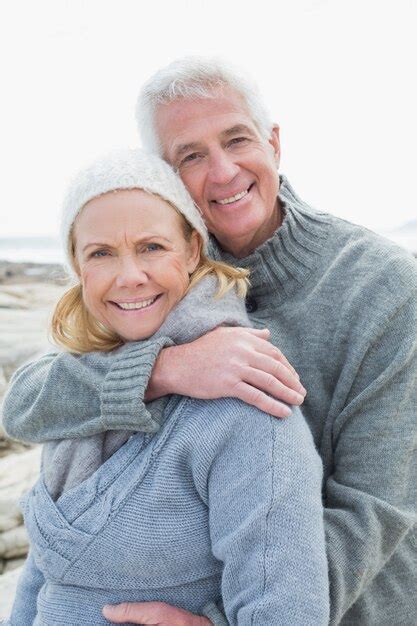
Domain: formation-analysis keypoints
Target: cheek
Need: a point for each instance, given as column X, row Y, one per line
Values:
column 176, row 278
column 93, row 284
column 271, row 178
column 195, row 185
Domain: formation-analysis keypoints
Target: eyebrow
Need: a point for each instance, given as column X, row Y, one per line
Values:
column 185, row 147
column 195, row 145
column 235, row 130
column 141, row 239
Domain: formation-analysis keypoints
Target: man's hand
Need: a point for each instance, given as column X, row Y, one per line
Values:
column 229, row 362
column 155, row 613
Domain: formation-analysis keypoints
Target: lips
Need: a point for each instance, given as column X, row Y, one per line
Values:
column 136, row 305
column 235, row 197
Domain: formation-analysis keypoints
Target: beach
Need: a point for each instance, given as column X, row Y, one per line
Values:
column 28, row 292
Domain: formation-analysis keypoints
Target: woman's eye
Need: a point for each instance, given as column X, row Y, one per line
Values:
column 152, row 247
column 97, row 254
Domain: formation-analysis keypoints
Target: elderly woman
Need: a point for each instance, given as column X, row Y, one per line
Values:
column 211, row 501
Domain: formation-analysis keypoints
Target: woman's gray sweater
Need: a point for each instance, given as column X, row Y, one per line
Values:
column 221, row 504
column 341, row 303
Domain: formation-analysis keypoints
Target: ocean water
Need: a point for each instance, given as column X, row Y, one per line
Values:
column 31, row 250
column 405, row 240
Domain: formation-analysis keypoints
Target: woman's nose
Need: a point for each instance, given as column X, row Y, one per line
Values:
column 131, row 272
column 222, row 168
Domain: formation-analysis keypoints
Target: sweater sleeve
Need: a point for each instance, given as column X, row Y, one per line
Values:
column 266, row 522
column 64, row 396
column 371, row 495
column 25, row 602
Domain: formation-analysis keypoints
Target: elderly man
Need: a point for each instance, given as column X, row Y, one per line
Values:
column 339, row 302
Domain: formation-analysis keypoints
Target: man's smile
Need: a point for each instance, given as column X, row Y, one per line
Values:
column 233, row 198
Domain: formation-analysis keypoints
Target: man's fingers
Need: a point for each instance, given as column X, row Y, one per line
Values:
column 281, row 357
column 268, row 383
column 280, row 371
column 259, row 332
column 266, row 347
column 152, row 614
column 133, row 612
column 261, row 400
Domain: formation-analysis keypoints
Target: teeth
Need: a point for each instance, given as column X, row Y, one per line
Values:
column 238, row 196
column 136, row 305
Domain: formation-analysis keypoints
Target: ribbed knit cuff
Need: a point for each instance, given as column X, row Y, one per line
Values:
column 214, row 614
column 123, row 392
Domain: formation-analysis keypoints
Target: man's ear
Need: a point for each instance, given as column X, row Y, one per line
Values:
column 195, row 247
column 275, row 143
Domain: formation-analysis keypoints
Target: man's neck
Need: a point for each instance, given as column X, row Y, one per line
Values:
column 240, row 248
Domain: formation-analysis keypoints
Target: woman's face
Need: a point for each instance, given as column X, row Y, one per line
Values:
column 133, row 261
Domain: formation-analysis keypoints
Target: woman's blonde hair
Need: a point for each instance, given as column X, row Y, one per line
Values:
column 76, row 330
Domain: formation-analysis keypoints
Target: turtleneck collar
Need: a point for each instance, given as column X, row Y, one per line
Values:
column 284, row 262
column 201, row 311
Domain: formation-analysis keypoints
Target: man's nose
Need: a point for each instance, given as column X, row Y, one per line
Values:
column 222, row 168
column 131, row 272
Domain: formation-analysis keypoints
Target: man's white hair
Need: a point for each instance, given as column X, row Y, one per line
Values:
column 192, row 78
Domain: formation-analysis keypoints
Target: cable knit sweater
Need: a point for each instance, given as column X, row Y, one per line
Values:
column 221, row 505
column 341, row 303
column 67, row 462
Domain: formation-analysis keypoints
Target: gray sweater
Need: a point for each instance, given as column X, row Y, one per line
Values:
column 221, row 504
column 341, row 304
column 68, row 462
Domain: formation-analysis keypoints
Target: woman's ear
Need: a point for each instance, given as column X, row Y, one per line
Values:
column 74, row 260
column 194, row 253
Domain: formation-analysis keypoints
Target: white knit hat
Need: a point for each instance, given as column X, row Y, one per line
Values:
column 127, row 169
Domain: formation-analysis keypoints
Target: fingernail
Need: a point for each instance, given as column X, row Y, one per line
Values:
column 107, row 608
column 301, row 390
column 287, row 411
column 299, row 398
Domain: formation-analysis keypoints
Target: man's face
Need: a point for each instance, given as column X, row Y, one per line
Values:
column 228, row 168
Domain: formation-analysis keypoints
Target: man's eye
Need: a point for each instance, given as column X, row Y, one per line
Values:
column 237, row 140
column 194, row 156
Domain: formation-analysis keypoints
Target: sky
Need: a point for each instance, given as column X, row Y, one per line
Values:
column 338, row 77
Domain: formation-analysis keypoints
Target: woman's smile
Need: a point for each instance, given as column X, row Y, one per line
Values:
column 136, row 306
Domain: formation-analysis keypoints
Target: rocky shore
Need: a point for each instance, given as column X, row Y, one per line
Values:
column 28, row 292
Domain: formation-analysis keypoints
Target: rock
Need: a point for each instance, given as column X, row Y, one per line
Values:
column 7, row 446
column 14, row 543
column 10, row 515
column 27, row 295
column 26, row 273
column 24, row 314
column 24, row 326
column 12, row 300
column 18, row 473
column 12, row 564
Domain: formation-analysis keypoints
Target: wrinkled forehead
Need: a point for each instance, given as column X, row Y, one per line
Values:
column 196, row 121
